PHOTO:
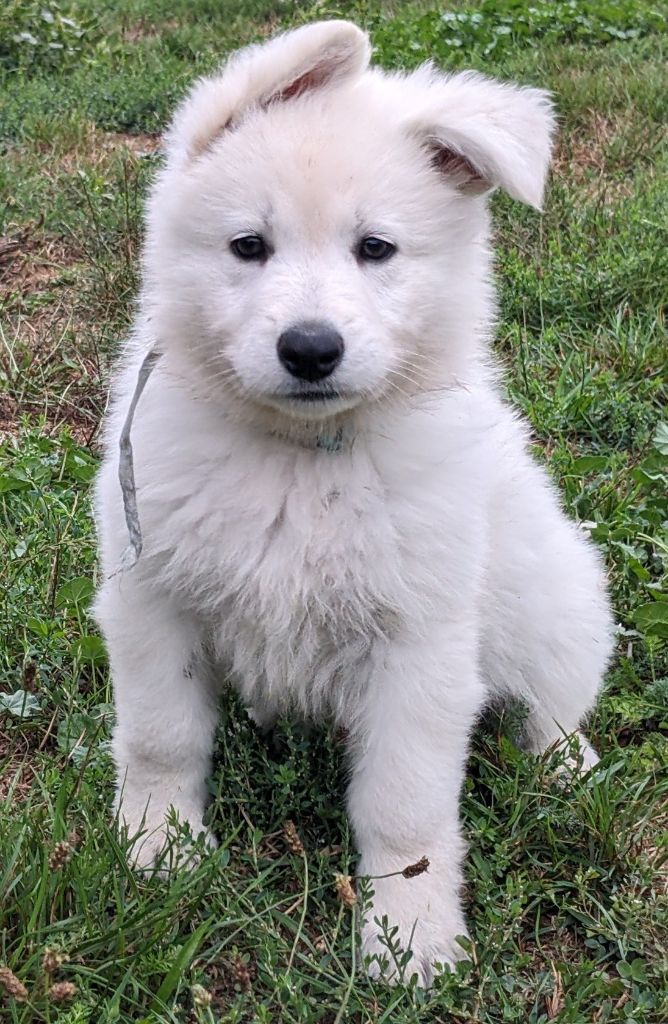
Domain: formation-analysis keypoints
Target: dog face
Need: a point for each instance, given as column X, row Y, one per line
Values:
column 318, row 238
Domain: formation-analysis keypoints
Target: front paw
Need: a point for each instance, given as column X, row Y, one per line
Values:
column 160, row 843
column 411, row 928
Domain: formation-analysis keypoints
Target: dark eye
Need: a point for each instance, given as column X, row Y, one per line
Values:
column 249, row 247
column 376, row 249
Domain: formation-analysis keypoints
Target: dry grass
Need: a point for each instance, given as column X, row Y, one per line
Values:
column 143, row 29
column 96, row 149
column 52, row 306
column 32, row 262
column 589, row 159
column 48, row 355
column 15, row 767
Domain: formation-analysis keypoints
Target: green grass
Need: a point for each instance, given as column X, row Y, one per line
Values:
column 566, row 890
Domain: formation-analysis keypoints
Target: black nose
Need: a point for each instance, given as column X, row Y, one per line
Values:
column 310, row 351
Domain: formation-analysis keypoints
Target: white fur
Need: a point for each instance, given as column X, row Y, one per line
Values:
column 398, row 582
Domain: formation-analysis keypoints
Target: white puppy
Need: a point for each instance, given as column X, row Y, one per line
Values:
column 339, row 513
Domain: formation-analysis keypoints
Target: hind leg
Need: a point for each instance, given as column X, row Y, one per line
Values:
column 541, row 735
column 549, row 625
column 559, row 681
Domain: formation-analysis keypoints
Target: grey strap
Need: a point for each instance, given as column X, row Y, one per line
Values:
column 126, row 470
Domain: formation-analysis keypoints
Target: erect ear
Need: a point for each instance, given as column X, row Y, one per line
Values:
column 312, row 57
column 484, row 134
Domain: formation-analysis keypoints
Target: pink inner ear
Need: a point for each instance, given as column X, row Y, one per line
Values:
column 455, row 166
column 314, row 78
column 311, row 80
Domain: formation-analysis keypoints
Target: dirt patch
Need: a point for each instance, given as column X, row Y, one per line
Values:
column 597, row 156
column 140, row 144
column 48, row 355
column 584, row 151
column 92, row 149
column 562, row 947
column 143, row 29
column 562, row 943
column 8, row 415
column 57, row 296
column 96, row 149
column 32, row 262
column 82, row 420
column 48, row 376
column 15, row 774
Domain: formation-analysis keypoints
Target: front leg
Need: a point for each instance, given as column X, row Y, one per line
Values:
column 409, row 755
column 165, row 714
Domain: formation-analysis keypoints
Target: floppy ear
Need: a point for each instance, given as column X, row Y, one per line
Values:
column 485, row 134
column 311, row 57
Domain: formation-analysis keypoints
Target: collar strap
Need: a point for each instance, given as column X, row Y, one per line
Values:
column 331, row 442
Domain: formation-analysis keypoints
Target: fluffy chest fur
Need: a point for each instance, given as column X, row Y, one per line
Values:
column 299, row 561
column 299, row 607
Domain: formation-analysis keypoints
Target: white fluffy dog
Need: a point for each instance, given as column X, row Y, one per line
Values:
column 339, row 512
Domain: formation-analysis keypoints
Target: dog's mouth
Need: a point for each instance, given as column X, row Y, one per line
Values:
column 312, row 396
column 312, row 403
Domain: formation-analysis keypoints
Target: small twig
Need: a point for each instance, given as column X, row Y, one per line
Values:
column 410, row 871
column 49, row 730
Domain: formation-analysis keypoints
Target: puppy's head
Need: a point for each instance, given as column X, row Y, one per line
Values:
column 318, row 237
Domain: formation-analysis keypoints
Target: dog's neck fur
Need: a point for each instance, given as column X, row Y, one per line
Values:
column 334, row 434
column 325, row 439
